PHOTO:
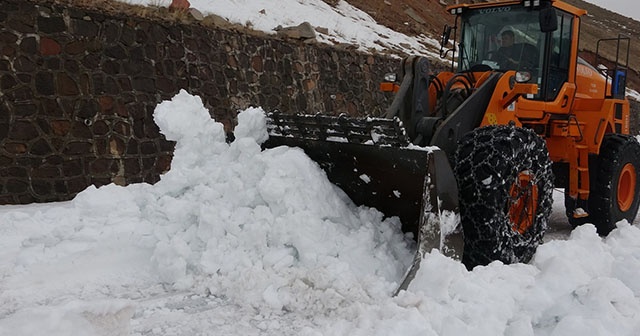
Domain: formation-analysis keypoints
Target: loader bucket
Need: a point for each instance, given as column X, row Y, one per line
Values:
column 372, row 161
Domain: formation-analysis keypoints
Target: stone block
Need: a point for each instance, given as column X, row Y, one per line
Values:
column 8, row 38
column 144, row 84
column 44, row 83
column 86, row 110
column 84, row 28
column 41, row 187
column 132, row 167
column 25, row 110
column 66, row 86
column 81, row 129
column 40, row 148
column 60, row 127
column 71, row 66
column 78, row 148
column 100, row 181
column 46, row 171
column 117, row 146
column 148, row 147
column 24, row 78
column 100, row 166
column 7, row 82
column 8, row 50
column 76, row 47
column 16, row 186
column 28, row 45
column 4, row 130
column 77, row 184
column 117, row 52
column 23, row 130
column 73, row 167
column 22, row 22
column 54, row 159
column 122, row 128
column 91, row 61
column 24, row 64
column 52, row 24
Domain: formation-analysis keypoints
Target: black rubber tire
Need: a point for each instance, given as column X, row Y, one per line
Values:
column 489, row 161
column 616, row 152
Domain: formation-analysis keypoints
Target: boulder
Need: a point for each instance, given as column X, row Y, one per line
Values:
column 302, row 31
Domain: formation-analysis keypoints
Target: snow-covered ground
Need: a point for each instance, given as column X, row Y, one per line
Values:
column 238, row 241
column 235, row 241
column 629, row 9
column 345, row 23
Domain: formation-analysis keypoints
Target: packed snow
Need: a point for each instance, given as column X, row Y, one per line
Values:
column 238, row 241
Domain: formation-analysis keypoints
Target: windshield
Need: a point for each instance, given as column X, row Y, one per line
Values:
column 503, row 38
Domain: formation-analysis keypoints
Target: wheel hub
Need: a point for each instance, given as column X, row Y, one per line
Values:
column 523, row 202
column 626, row 187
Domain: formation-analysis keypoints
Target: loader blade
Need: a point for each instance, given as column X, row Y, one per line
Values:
column 372, row 161
column 439, row 223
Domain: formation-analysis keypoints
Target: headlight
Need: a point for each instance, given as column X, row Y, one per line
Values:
column 523, row 76
column 390, row 77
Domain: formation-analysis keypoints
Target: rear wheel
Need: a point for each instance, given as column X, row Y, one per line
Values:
column 505, row 185
column 615, row 185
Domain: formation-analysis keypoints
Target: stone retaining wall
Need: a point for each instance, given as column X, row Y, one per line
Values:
column 78, row 89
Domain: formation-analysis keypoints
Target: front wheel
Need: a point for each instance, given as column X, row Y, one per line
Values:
column 615, row 185
column 505, row 185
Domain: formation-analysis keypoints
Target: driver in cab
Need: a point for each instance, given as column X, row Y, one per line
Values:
column 511, row 55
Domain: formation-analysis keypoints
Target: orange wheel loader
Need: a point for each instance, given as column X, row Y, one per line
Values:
column 468, row 158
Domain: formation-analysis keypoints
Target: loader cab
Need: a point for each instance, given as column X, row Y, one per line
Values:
column 535, row 42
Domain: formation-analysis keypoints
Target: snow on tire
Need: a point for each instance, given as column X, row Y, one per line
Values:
column 505, row 184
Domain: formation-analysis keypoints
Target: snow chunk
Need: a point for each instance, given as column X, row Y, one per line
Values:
column 185, row 120
column 365, row 178
column 252, row 124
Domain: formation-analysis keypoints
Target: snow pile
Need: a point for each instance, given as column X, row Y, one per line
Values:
column 259, row 228
column 248, row 214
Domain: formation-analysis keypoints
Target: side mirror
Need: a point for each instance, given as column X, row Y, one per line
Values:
column 548, row 20
column 446, row 35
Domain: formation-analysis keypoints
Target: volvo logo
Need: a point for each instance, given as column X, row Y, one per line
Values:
column 494, row 10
